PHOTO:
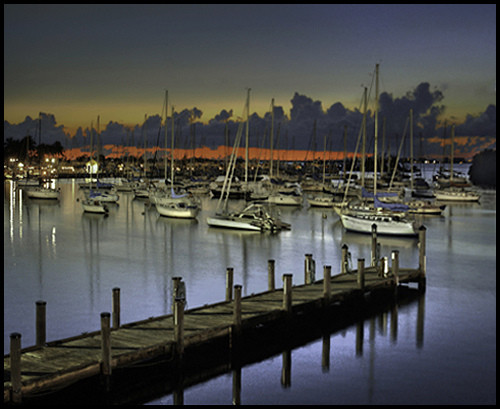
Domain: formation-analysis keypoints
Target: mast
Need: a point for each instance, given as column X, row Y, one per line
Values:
column 376, row 133
column 172, row 154
column 411, row 149
column 246, row 137
column 271, row 137
column 144, row 137
column 363, row 145
column 166, row 117
column 452, row 152
column 345, row 152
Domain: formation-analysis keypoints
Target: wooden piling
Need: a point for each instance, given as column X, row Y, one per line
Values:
column 229, row 283
column 40, row 323
column 237, row 309
column 270, row 275
column 395, row 266
column 309, row 269
column 287, row 292
column 374, row 245
column 15, row 367
column 116, row 308
column 327, row 273
column 179, row 327
column 105, row 344
column 361, row 273
column 343, row 263
column 176, row 283
column 421, row 258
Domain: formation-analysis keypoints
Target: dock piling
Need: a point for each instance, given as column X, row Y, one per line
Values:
column 40, row 323
column 361, row 273
column 15, row 367
column 179, row 326
column 105, row 344
column 237, row 308
column 270, row 274
column 395, row 266
column 374, row 255
column 309, row 269
column 116, row 307
column 229, row 283
column 421, row 257
column 327, row 273
column 287, row 292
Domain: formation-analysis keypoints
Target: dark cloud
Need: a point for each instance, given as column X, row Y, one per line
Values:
column 296, row 132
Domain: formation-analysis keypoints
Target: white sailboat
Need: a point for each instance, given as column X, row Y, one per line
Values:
column 390, row 218
column 41, row 192
column 93, row 204
column 168, row 203
column 253, row 217
column 453, row 193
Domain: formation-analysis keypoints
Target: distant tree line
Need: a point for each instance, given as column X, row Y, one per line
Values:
column 483, row 171
column 26, row 149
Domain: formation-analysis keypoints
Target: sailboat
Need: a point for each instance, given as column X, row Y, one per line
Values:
column 254, row 217
column 90, row 202
column 169, row 203
column 453, row 193
column 41, row 192
column 390, row 218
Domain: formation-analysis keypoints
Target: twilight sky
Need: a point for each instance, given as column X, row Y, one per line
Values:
column 79, row 61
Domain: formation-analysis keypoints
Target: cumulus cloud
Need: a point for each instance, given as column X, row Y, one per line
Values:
column 307, row 120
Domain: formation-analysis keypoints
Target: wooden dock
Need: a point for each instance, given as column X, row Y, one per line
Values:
column 51, row 365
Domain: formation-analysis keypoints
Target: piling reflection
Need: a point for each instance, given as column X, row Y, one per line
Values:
column 166, row 379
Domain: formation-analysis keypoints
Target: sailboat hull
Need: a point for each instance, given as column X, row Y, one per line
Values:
column 178, row 210
column 232, row 223
column 385, row 225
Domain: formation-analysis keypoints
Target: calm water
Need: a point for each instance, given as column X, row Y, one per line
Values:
column 54, row 252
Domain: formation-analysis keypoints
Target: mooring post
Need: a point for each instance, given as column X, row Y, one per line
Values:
column 237, row 309
column 270, row 275
column 176, row 284
column 421, row 257
column 374, row 246
column 327, row 273
column 105, row 344
column 179, row 327
column 15, row 367
column 395, row 266
column 309, row 269
column 361, row 273
column 229, row 283
column 287, row 292
column 343, row 264
column 40, row 323
column 116, row 307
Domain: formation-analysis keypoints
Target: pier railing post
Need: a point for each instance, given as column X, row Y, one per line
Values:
column 309, row 269
column 237, row 309
column 270, row 275
column 421, row 257
column 343, row 264
column 15, row 367
column 178, row 290
column 287, row 292
column 395, row 266
column 327, row 273
column 116, row 307
column 179, row 326
column 105, row 343
column 229, row 283
column 40, row 323
column 361, row 273
column 374, row 252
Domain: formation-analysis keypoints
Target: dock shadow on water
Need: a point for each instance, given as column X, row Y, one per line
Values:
column 168, row 377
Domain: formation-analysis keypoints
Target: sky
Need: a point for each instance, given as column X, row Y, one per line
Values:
column 77, row 62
